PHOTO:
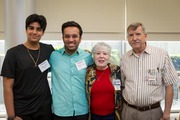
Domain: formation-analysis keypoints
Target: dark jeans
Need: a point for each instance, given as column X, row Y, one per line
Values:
column 79, row 117
column 103, row 117
column 44, row 113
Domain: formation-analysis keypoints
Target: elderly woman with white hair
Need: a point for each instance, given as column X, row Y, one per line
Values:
column 103, row 85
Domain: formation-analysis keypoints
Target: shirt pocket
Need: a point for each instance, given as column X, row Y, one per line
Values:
column 154, row 77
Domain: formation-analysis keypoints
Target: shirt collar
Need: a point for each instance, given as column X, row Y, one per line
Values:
column 63, row 51
column 146, row 51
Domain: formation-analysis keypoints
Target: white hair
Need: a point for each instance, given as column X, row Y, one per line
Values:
column 101, row 45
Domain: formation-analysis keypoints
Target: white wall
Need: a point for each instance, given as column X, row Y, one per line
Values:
column 1, row 19
column 98, row 18
column 161, row 17
column 105, row 19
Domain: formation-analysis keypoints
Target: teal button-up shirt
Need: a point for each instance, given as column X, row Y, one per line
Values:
column 68, row 83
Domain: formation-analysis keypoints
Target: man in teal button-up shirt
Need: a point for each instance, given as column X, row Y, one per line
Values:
column 68, row 70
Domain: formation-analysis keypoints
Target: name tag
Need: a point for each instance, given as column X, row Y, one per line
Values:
column 152, row 74
column 81, row 65
column 117, row 84
column 44, row 66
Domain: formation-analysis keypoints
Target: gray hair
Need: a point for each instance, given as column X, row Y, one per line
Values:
column 134, row 26
column 101, row 45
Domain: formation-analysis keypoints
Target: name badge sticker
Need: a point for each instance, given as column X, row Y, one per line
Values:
column 117, row 84
column 44, row 66
column 81, row 65
column 152, row 74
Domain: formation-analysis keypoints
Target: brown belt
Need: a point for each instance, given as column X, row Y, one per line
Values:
column 145, row 108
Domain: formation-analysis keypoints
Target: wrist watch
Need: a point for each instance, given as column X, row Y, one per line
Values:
column 11, row 117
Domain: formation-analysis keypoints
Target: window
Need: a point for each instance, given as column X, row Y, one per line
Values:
column 2, row 107
column 119, row 47
column 2, row 47
column 116, row 45
column 172, row 47
column 1, row 60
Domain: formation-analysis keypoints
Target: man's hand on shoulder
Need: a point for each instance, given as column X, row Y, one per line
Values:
column 88, row 51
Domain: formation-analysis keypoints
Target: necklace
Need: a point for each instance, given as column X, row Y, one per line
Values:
column 105, row 68
column 35, row 62
column 101, row 75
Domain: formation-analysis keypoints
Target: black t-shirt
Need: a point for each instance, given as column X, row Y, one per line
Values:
column 31, row 89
